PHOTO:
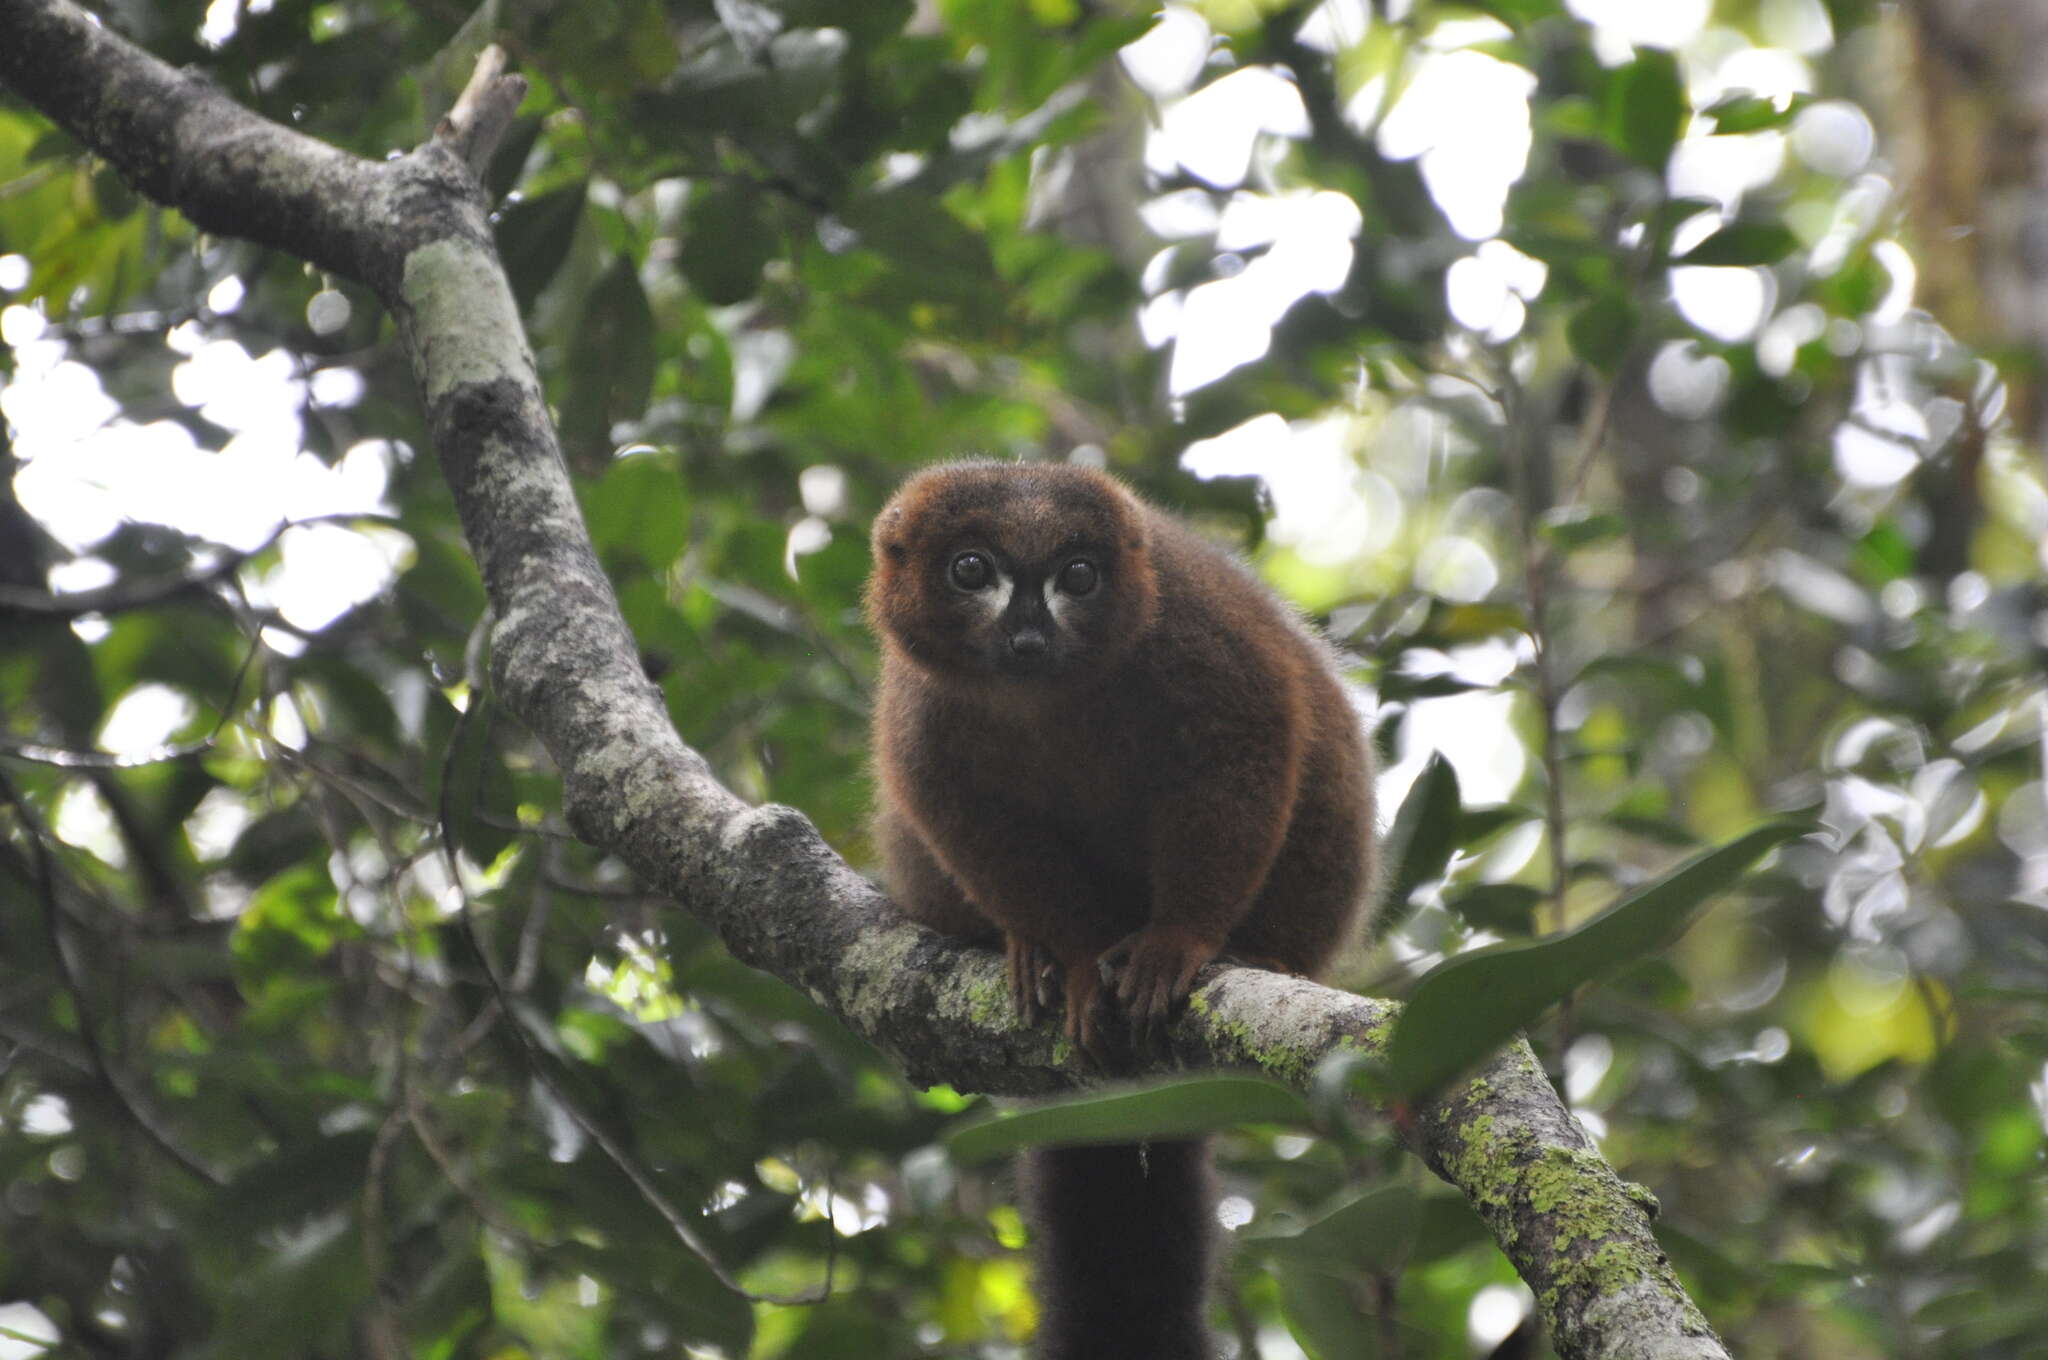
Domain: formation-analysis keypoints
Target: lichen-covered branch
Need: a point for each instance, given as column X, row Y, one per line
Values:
column 414, row 229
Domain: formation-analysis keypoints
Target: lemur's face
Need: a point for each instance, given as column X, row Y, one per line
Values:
column 1017, row 571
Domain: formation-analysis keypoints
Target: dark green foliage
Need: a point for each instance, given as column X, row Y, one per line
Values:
column 1178, row 1110
column 772, row 256
column 1420, row 839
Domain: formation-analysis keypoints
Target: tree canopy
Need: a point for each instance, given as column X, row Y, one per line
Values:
column 1602, row 376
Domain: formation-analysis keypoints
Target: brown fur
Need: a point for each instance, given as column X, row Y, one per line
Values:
column 1181, row 775
column 1172, row 773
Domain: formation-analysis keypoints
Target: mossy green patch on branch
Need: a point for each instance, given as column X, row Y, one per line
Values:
column 988, row 1003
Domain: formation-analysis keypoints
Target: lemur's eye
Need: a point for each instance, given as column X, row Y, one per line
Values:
column 1079, row 577
column 971, row 571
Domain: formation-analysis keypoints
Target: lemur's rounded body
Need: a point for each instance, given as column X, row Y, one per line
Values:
column 1100, row 737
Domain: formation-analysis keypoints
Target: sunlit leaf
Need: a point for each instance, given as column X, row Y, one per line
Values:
column 1743, row 243
column 1575, row 527
column 1646, row 107
column 1744, row 112
column 1421, row 838
column 1885, row 554
column 1519, row 13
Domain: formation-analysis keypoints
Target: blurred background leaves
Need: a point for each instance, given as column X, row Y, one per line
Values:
column 1646, row 398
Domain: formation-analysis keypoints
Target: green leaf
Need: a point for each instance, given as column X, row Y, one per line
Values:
column 848, row 1325
column 676, row 1287
column 637, row 514
column 1419, row 843
column 611, row 364
column 1323, row 1313
column 1445, row 1225
column 294, row 1184
column 727, row 238
column 1640, row 673
column 1885, row 554
column 1503, row 908
column 1470, row 1005
column 501, row 176
column 1743, row 243
column 1400, row 687
column 1600, row 331
column 534, row 236
column 481, row 802
column 1473, row 622
column 1370, row 1229
column 294, row 1300
column 1741, row 111
column 273, row 843
column 1518, row 13
column 1657, row 829
column 1646, row 107
column 292, row 920
column 933, row 256
column 1573, row 527
column 1182, row 1109
column 1478, row 823
column 1670, row 215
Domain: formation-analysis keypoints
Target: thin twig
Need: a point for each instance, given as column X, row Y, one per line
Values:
column 486, row 1213
column 526, row 964
column 1536, row 581
column 1242, row 1324
column 1592, row 434
column 386, row 1336
column 614, row 1151
column 40, row 1342
column 46, row 882
column 1387, row 1312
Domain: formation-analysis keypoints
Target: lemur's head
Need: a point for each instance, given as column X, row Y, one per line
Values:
column 1011, row 571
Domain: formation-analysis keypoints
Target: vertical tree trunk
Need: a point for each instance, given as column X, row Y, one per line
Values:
column 1974, row 137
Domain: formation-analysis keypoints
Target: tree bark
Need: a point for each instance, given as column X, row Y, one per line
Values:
column 414, row 229
column 1973, row 126
column 1975, row 123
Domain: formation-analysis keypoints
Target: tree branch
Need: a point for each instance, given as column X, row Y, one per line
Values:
column 483, row 111
column 563, row 661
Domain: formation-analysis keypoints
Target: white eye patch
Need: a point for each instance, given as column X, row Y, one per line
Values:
column 1056, row 600
column 996, row 598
